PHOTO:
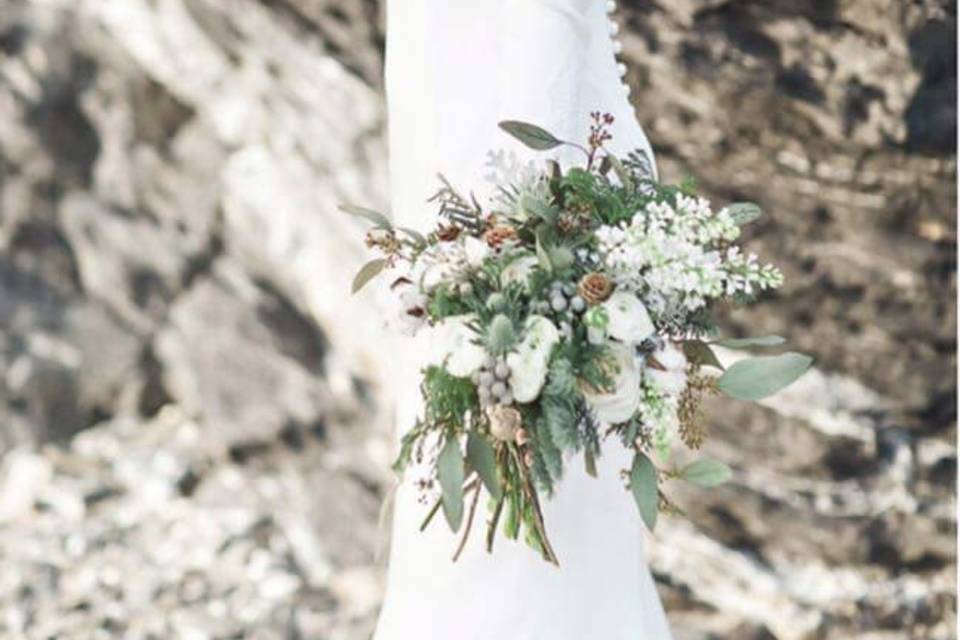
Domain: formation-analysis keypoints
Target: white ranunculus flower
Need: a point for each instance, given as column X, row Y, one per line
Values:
column 455, row 348
column 518, row 271
column 621, row 403
column 629, row 321
column 528, row 364
column 475, row 250
column 673, row 380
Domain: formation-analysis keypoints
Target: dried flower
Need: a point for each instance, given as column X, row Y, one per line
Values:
column 504, row 422
column 384, row 239
column 595, row 288
column 496, row 236
column 448, row 232
column 522, row 436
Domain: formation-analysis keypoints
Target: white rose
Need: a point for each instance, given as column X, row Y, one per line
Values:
column 528, row 365
column 620, row 404
column 629, row 321
column 455, row 348
column 518, row 270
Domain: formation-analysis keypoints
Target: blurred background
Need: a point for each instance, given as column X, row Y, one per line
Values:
column 194, row 414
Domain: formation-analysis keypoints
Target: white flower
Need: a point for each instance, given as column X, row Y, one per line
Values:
column 671, row 380
column 629, row 321
column 475, row 250
column 411, row 316
column 456, row 350
column 620, row 404
column 528, row 364
column 518, row 271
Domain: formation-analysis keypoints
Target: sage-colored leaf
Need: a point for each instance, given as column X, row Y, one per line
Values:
column 744, row 212
column 643, row 485
column 481, row 458
column 706, row 473
column 531, row 135
column 416, row 236
column 757, row 378
column 450, row 474
column 367, row 273
column 760, row 341
column 511, row 524
column 699, row 352
column 543, row 257
column 590, row 463
column 375, row 217
column 622, row 174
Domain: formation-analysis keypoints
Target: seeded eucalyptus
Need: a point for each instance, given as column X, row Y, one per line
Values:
column 575, row 306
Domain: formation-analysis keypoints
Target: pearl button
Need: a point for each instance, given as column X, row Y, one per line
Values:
column 617, row 47
column 625, row 88
column 611, row 6
column 614, row 28
column 622, row 69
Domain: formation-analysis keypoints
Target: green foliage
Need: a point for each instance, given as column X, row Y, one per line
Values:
column 643, row 486
column 706, row 473
column 531, row 135
column 447, row 398
column 757, row 378
column 444, row 304
column 481, row 458
column 501, row 336
column 450, row 473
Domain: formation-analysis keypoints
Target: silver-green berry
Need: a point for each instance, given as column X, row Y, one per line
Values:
column 578, row 304
column 498, row 389
column 486, row 378
column 558, row 303
column 569, row 289
column 502, row 371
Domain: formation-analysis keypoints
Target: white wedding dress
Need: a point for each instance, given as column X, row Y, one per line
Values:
column 454, row 69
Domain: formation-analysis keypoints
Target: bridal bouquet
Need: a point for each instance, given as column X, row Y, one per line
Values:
column 575, row 306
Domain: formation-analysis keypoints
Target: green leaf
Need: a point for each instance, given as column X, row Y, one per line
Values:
column 543, row 256
column 377, row 218
column 590, row 463
column 367, row 273
column 744, row 212
column 699, row 352
column 761, row 341
column 511, row 524
column 757, row 378
column 481, row 458
column 706, row 473
column 416, row 236
column 450, row 473
column 643, row 485
column 531, row 135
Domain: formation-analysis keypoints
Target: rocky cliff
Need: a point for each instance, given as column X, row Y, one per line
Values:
column 189, row 397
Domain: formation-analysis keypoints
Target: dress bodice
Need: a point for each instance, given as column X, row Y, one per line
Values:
column 457, row 67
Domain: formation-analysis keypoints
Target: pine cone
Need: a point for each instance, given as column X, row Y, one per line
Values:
column 448, row 233
column 595, row 288
column 499, row 234
column 567, row 223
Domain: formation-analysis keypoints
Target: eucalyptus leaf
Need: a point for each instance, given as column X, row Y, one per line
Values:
column 367, row 273
column 450, row 472
column 699, row 352
column 757, row 378
column 760, row 341
column 643, row 485
column 377, row 218
column 481, row 458
column 531, row 135
column 744, row 212
column 416, row 236
column 543, row 256
column 706, row 473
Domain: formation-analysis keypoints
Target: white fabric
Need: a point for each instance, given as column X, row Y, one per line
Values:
column 454, row 69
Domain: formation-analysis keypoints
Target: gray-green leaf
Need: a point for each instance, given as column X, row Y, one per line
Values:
column 699, row 352
column 481, row 458
column 757, row 378
column 740, row 343
column 706, row 473
column 377, row 218
column 450, row 473
column 744, row 212
column 643, row 485
column 414, row 235
column 531, row 135
column 367, row 273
